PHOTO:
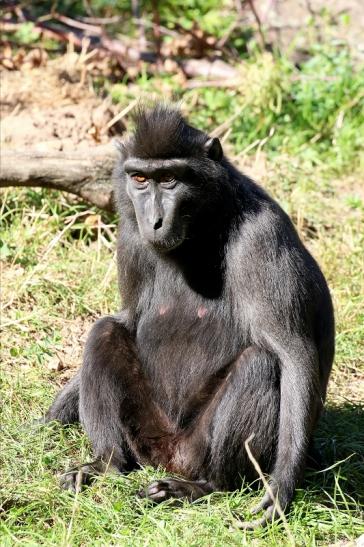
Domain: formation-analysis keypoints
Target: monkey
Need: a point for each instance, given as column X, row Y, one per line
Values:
column 226, row 331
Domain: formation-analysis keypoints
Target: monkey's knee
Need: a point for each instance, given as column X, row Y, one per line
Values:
column 105, row 330
column 108, row 337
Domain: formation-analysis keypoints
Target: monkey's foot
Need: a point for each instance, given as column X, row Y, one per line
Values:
column 166, row 489
column 77, row 478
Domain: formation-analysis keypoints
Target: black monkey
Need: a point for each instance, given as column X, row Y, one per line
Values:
column 227, row 327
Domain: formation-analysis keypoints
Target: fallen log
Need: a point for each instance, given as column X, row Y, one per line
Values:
column 86, row 174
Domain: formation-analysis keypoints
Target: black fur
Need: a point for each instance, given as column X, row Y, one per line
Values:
column 175, row 138
column 227, row 327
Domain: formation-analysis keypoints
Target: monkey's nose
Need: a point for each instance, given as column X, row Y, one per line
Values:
column 158, row 224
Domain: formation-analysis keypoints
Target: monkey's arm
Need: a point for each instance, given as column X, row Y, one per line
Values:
column 299, row 403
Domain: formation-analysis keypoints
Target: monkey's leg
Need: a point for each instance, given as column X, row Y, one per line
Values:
column 116, row 406
column 65, row 408
column 246, row 402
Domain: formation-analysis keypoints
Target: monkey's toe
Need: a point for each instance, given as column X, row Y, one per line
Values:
column 264, row 503
column 160, row 491
column 77, row 478
column 272, row 512
column 166, row 489
column 268, row 517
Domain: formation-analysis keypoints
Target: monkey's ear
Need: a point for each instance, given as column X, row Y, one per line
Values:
column 214, row 149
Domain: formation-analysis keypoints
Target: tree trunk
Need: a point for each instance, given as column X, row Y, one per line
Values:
column 86, row 174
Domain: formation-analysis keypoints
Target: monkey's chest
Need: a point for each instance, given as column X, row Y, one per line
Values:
column 182, row 344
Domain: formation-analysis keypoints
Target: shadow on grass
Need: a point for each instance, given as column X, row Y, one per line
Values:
column 339, row 452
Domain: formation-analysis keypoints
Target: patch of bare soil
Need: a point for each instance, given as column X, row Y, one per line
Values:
column 54, row 107
column 67, row 361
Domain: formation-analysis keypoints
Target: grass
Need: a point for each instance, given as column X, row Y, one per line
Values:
column 59, row 275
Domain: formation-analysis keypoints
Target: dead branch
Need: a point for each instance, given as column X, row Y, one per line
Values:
column 194, row 84
column 65, row 33
column 213, row 70
column 85, row 174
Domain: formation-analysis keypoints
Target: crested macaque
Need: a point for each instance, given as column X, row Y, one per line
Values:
column 226, row 330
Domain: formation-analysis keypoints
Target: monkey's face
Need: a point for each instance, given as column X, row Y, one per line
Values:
column 162, row 200
column 168, row 194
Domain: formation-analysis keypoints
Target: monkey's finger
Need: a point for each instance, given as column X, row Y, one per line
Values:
column 264, row 503
column 154, row 488
column 154, row 495
column 142, row 493
column 67, row 482
column 266, row 519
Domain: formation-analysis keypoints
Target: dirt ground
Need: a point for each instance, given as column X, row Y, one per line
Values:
column 54, row 107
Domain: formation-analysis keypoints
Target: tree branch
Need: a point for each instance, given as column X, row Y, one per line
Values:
column 85, row 174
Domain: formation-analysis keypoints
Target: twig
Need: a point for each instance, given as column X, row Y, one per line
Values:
column 162, row 29
column 74, row 23
column 259, row 23
column 194, row 84
column 234, row 25
column 156, row 29
column 111, row 268
column 121, row 114
column 226, row 124
column 117, row 48
column 75, row 508
column 102, row 20
column 268, row 489
column 248, row 148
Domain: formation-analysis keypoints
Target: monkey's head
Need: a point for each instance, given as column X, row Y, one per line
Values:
column 171, row 172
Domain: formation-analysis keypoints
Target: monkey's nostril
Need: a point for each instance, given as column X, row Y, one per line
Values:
column 158, row 224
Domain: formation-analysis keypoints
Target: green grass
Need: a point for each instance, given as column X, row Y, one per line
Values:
column 59, row 275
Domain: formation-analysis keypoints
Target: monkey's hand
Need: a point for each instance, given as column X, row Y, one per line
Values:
column 274, row 504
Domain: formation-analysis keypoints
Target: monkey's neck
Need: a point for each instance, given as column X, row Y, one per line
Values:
column 201, row 258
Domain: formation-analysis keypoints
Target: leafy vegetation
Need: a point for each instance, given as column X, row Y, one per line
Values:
column 315, row 110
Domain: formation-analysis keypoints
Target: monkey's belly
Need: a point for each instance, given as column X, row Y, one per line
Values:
column 181, row 349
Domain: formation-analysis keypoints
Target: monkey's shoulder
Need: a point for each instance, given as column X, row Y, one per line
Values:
column 268, row 263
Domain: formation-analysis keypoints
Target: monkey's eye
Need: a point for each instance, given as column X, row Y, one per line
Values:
column 139, row 178
column 167, row 179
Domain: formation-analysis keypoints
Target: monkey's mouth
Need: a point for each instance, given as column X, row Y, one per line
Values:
column 168, row 242
column 165, row 246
